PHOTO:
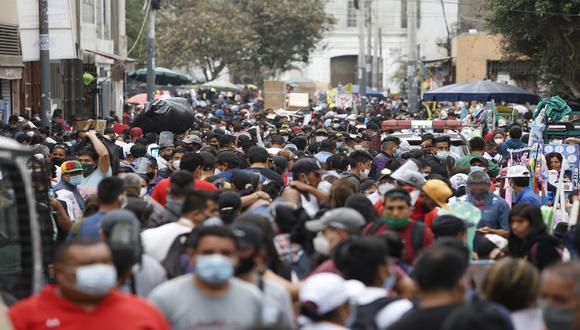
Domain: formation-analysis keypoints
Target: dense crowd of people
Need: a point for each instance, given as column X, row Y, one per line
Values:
column 323, row 220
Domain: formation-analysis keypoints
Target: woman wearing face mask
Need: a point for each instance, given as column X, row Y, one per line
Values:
column 529, row 239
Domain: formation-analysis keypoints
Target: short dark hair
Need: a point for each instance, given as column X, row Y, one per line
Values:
column 194, row 201
column 227, row 140
column 480, row 315
column 359, row 156
column 398, row 194
column 151, row 137
column 190, row 161
column 476, row 144
column 359, row 258
column 88, row 152
column 337, row 162
column 426, row 137
column 110, row 189
column 394, row 243
column 516, row 132
column 327, row 145
column 200, row 232
column 138, row 150
column 62, row 249
column 181, row 182
column 258, row 155
column 439, row 268
column 440, row 139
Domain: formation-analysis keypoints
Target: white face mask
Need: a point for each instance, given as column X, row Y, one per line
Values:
column 176, row 164
column 364, row 173
column 320, row 138
column 498, row 140
column 143, row 192
column 385, row 187
column 321, row 245
column 442, row 155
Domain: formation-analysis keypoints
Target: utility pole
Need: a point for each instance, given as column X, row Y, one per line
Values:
column 369, row 64
column 361, row 55
column 381, row 63
column 376, row 47
column 412, row 54
column 43, row 45
column 151, row 55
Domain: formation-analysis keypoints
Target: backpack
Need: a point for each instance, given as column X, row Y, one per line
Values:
column 365, row 314
column 416, row 235
column 174, row 260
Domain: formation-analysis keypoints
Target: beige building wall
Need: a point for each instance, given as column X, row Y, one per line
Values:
column 8, row 14
column 470, row 54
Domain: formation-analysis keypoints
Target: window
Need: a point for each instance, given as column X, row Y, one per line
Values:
column 404, row 13
column 351, row 14
column 88, row 9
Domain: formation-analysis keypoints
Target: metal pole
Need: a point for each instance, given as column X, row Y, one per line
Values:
column 43, row 45
column 369, row 64
column 151, row 57
column 361, row 55
column 412, row 61
column 376, row 47
column 380, row 59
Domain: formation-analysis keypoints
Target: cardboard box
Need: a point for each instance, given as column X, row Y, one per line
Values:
column 98, row 125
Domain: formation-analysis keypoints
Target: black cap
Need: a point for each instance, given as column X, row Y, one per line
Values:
column 448, row 225
column 113, row 217
column 229, row 200
column 305, row 165
column 228, row 157
column 248, row 235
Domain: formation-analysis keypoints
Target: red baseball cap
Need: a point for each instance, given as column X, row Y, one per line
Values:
column 135, row 132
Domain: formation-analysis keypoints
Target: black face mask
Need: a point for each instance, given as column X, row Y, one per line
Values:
column 246, row 265
column 166, row 157
column 57, row 161
column 150, row 176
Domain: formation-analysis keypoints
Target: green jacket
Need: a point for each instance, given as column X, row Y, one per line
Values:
column 493, row 169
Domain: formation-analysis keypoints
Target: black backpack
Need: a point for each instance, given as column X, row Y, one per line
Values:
column 173, row 262
column 365, row 314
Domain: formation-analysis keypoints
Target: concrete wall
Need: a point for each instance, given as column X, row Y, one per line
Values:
column 8, row 14
column 433, row 31
column 470, row 54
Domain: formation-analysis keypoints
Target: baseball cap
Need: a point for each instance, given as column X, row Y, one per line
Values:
column 305, row 165
column 479, row 159
column 192, row 139
column 448, row 225
column 325, row 291
column 518, row 171
column 228, row 157
column 458, row 180
column 248, row 235
column 71, row 166
column 438, row 191
column 229, row 201
column 414, row 179
column 113, row 217
column 342, row 218
column 135, row 132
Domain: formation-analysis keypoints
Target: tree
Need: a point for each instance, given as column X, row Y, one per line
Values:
column 134, row 20
column 546, row 31
column 259, row 36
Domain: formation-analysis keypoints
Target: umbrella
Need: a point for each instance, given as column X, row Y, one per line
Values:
column 370, row 92
column 140, row 98
column 163, row 76
column 222, row 85
column 483, row 91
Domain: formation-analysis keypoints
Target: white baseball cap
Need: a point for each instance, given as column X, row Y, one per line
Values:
column 518, row 171
column 328, row 291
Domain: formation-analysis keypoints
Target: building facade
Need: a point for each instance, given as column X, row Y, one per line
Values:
column 11, row 65
column 335, row 60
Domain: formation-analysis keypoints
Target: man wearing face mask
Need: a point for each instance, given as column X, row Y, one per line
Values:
column 494, row 209
column 210, row 298
column 85, row 295
column 253, row 257
column 441, row 162
column 389, row 152
column 165, row 152
column 67, row 189
column 360, row 166
column 96, row 165
column 111, row 195
column 303, row 190
column 192, row 143
column 334, row 227
column 397, row 211
column 519, row 180
column 560, row 296
column 477, row 148
column 180, row 184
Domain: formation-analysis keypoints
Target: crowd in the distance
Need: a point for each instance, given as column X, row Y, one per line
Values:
column 255, row 220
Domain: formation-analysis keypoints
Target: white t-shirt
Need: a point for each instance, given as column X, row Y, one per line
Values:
column 390, row 313
column 157, row 241
column 91, row 182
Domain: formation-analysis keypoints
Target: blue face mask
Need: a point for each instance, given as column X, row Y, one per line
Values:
column 76, row 180
column 397, row 153
column 96, row 280
column 214, row 269
column 442, row 155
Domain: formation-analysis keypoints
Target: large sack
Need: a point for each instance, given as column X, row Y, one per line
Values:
column 174, row 115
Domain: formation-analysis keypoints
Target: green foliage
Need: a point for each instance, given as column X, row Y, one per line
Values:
column 258, row 36
column 546, row 31
column 134, row 20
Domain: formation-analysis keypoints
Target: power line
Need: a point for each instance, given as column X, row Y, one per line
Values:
column 545, row 13
column 142, row 26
